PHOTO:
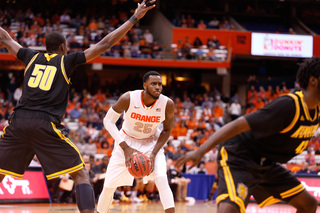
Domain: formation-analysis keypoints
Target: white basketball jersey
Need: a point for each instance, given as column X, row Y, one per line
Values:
column 140, row 121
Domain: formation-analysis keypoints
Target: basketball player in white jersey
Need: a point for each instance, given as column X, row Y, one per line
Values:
column 144, row 110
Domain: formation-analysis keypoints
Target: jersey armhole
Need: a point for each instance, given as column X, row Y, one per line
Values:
column 296, row 116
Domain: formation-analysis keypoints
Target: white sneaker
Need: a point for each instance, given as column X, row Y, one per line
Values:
column 136, row 200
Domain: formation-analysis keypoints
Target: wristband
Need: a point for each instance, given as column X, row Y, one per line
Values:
column 133, row 19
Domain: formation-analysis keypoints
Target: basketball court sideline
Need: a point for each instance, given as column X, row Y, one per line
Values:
column 152, row 207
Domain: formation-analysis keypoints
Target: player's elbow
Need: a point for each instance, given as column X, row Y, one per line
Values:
column 107, row 123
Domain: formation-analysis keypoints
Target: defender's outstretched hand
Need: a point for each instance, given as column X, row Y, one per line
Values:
column 193, row 156
column 142, row 8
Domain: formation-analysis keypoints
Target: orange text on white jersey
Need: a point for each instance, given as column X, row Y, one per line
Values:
column 145, row 118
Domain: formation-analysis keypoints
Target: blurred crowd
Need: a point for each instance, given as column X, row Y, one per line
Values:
column 29, row 28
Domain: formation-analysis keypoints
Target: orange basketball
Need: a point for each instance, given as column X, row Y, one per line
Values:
column 140, row 165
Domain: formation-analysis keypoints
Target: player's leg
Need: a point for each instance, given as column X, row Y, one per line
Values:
column 84, row 191
column 59, row 156
column 1, row 177
column 105, row 199
column 224, row 207
column 161, row 181
column 304, row 202
column 165, row 193
column 116, row 175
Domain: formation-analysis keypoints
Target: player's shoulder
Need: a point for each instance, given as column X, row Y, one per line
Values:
column 125, row 97
column 170, row 104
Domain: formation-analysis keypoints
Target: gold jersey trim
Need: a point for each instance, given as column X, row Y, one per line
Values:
column 64, row 71
column 305, row 108
column 30, row 62
column 292, row 191
column 70, row 170
column 296, row 116
column 12, row 174
column 269, row 201
column 48, row 57
column 232, row 194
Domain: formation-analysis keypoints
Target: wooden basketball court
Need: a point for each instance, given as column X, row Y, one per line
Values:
column 152, row 207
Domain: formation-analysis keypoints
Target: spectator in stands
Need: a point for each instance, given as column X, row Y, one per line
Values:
column 100, row 171
column 197, row 43
column 156, row 50
column 17, row 94
column 218, row 113
column 148, row 36
column 252, row 94
column 207, row 112
column 214, row 23
column 251, row 108
column 74, row 44
column 202, row 168
column 213, row 42
column 187, row 103
column 78, row 141
column 76, row 111
column 235, row 109
column 291, row 31
column 76, row 21
column 186, row 49
column 316, row 169
column 145, row 49
column 11, row 88
column 314, row 144
column 201, row 25
column 310, row 156
column 93, row 25
column 200, row 53
column 178, row 184
column 305, row 170
column 210, row 55
column 65, row 18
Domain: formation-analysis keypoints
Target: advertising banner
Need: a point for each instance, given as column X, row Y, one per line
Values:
column 281, row 45
column 32, row 188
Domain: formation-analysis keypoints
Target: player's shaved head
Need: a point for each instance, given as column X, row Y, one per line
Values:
column 54, row 40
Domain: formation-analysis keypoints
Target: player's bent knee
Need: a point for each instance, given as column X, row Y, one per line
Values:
column 80, row 176
column 85, row 196
column 304, row 202
column 225, row 207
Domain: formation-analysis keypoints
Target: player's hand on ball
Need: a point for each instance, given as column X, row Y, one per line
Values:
column 193, row 156
column 143, row 8
column 128, row 153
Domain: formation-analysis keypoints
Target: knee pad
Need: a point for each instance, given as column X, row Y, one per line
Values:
column 85, row 196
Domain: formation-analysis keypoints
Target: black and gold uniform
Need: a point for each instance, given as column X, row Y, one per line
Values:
column 249, row 163
column 35, row 126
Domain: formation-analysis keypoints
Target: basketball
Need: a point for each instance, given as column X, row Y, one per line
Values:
column 140, row 165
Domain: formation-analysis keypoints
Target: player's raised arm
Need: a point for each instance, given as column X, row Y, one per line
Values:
column 112, row 38
column 11, row 45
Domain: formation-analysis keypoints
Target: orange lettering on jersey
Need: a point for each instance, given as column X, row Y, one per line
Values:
column 133, row 115
column 145, row 118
